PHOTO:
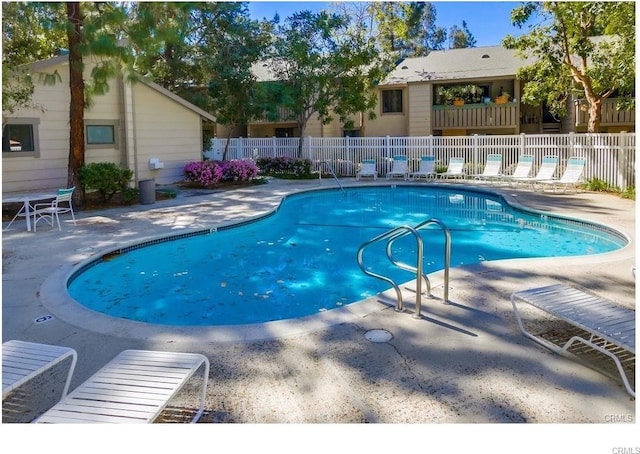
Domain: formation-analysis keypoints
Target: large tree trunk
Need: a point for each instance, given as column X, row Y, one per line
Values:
column 595, row 114
column 76, row 106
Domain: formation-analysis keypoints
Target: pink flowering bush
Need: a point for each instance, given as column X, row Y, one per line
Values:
column 210, row 173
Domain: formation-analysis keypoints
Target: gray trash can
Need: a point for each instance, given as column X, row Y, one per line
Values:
column 147, row 191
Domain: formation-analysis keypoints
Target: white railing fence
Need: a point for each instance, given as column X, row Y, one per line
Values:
column 610, row 157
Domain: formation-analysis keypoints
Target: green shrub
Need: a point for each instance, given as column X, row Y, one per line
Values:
column 597, row 185
column 285, row 167
column 130, row 195
column 629, row 193
column 105, row 177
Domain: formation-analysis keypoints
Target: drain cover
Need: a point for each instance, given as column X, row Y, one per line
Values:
column 378, row 335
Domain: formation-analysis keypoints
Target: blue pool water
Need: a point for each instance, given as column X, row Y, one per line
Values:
column 302, row 259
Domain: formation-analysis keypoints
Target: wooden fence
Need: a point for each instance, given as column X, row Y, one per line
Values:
column 610, row 157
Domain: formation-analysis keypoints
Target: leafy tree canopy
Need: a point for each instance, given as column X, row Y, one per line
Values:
column 581, row 49
column 322, row 70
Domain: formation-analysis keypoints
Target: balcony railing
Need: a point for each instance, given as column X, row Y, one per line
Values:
column 610, row 115
column 284, row 116
column 475, row 116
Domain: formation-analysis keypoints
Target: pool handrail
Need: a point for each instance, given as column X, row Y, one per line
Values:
column 399, row 232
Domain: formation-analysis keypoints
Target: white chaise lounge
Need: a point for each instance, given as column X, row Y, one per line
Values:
column 608, row 327
column 400, row 168
column 134, row 387
column 22, row 361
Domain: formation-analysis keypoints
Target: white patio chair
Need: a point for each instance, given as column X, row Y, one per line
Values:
column 545, row 172
column 491, row 169
column 571, row 176
column 367, row 169
column 50, row 210
column 455, row 168
column 426, row 169
column 400, row 168
column 522, row 170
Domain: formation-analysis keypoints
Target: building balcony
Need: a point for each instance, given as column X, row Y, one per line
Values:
column 284, row 115
column 476, row 116
column 610, row 115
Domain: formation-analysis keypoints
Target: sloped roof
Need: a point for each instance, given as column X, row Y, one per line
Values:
column 455, row 64
column 64, row 59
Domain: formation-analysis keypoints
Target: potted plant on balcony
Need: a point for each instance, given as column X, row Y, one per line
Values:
column 474, row 93
column 453, row 95
column 503, row 98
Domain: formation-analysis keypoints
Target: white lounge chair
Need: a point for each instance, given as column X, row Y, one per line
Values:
column 571, row 176
column 400, row 168
column 427, row 168
column 52, row 210
column 23, row 361
column 491, row 169
column 134, row 387
column 455, row 169
column 522, row 170
column 605, row 326
column 546, row 171
column 367, row 169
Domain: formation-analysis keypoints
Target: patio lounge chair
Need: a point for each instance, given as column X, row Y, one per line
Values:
column 134, row 387
column 455, row 169
column 23, row 361
column 400, row 168
column 571, row 176
column 597, row 323
column 522, row 170
column 367, row 169
column 50, row 210
column 426, row 169
column 491, row 169
column 545, row 172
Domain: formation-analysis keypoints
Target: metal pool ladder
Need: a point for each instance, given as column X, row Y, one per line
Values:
column 331, row 171
column 396, row 233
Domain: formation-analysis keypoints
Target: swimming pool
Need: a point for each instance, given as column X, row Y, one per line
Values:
column 302, row 259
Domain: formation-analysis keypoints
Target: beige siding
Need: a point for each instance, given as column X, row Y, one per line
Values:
column 389, row 124
column 167, row 131
column 419, row 107
column 49, row 168
column 314, row 127
column 394, row 125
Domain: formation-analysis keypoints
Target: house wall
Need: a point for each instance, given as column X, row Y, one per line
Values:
column 419, row 108
column 48, row 168
column 390, row 124
column 164, row 129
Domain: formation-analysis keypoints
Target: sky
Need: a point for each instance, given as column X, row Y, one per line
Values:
column 488, row 21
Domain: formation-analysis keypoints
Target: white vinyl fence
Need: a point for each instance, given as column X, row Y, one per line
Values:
column 610, row 157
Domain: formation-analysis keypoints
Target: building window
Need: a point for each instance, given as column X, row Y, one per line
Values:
column 101, row 134
column 351, row 133
column 20, row 137
column 392, row 101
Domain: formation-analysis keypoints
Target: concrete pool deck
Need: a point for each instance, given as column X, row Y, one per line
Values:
column 465, row 362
